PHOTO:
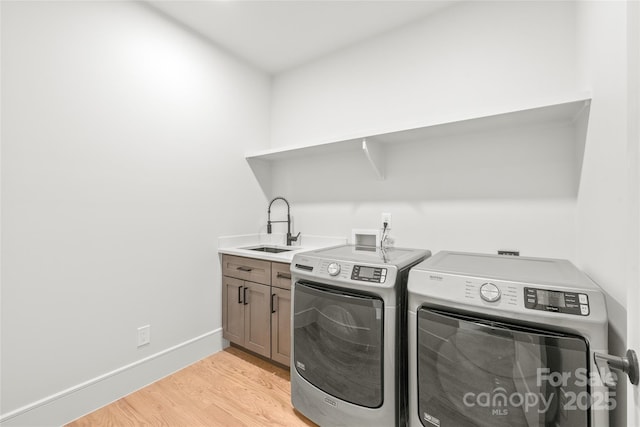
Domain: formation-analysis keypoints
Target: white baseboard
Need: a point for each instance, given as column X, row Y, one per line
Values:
column 81, row 399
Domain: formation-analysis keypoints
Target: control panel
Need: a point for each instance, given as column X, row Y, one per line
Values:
column 335, row 269
column 369, row 274
column 491, row 294
column 556, row 301
column 345, row 272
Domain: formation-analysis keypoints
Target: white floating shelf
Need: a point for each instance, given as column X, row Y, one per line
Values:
column 374, row 145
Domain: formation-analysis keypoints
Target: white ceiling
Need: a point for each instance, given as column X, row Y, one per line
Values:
column 278, row 35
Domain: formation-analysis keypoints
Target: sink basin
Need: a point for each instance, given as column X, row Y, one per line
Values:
column 269, row 249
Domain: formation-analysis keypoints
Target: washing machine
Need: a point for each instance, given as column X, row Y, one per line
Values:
column 505, row 341
column 348, row 353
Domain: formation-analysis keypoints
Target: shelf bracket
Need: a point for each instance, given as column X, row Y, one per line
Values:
column 262, row 170
column 375, row 155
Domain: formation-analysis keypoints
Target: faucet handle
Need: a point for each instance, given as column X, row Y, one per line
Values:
column 293, row 238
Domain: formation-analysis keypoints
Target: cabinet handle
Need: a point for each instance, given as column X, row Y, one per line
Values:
column 239, row 294
column 245, row 296
column 274, row 302
column 281, row 275
column 243, row 268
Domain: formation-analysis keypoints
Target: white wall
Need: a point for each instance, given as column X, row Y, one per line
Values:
column 633, row 126
column 122, row 162
column 603, row 199
column 467, row 60
column 605, row 238
column 633, row 123
column 121, row 133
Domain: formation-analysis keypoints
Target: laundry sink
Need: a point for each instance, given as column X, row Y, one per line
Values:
column 270, row 249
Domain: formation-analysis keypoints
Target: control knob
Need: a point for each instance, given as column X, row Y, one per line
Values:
column 333, row 269
column 490, row 292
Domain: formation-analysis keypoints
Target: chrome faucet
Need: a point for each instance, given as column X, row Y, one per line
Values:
column 290, row 238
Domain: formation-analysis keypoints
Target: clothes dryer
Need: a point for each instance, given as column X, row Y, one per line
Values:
column 348, row 343
column 505, row 341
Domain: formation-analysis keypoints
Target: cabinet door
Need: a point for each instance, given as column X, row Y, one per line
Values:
column 233, row 310
column 281, row 325
column 257, row 307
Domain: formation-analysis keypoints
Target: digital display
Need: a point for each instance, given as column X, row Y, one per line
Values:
column 367, row 272
column 556, row 302
column 554, row 299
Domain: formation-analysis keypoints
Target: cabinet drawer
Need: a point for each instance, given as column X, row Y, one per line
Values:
column 280, row 275
column 250, row 269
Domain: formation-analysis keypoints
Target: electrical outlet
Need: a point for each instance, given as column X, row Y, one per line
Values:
column 144, row 335
column 386, row 217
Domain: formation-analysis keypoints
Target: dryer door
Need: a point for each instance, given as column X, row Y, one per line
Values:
column 337, row 342
column 478, row 372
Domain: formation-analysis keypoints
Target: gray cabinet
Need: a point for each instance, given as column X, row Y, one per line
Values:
column 246, row 303
column 280, row 313
column 256, row 318
column 256, row 306
column 233, row 310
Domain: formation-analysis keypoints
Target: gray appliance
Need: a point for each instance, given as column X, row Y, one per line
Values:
column 348, row 363
column 505, row 341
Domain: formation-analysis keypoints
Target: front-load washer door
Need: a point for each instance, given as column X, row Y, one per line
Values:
column 338, row 342
column 481, row 373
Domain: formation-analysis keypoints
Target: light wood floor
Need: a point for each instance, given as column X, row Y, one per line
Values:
column 230, row 388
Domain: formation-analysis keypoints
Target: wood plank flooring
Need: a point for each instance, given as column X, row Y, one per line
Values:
column 230, row 388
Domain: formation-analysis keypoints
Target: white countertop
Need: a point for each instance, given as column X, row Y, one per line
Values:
column 240, row 245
